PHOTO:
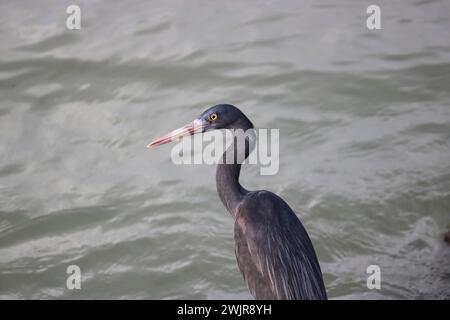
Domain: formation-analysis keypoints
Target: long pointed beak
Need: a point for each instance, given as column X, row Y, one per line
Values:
column 194, row 127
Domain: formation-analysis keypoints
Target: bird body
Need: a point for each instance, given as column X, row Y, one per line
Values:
column 273, row 250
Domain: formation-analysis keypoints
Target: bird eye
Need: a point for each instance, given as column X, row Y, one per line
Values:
column 213, row 117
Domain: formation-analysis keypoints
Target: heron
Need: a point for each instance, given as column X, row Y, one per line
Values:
column 273, row 250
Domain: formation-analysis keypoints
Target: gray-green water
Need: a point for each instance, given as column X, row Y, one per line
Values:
column 364, row 119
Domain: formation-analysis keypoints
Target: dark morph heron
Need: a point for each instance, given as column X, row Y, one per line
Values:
column 273, row 250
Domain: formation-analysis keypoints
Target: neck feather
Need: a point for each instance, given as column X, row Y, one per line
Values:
column 227, row 175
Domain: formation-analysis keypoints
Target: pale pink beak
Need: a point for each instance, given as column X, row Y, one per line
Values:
column 194, row 127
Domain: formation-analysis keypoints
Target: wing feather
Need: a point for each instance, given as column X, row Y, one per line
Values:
column 279, row 252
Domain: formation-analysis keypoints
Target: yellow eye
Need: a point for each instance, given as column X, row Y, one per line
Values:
column 213, row 117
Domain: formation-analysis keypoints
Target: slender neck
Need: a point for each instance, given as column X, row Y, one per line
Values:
column 228, row 170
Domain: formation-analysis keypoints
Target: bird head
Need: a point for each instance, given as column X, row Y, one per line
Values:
column 221, row 116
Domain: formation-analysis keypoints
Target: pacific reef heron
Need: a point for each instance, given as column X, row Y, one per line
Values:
column 273, row 250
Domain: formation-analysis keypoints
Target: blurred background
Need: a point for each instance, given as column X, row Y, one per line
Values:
column 364, row 119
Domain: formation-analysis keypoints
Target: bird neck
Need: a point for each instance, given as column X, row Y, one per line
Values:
column 228, row 170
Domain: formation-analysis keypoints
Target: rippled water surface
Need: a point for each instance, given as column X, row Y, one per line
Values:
column 364, row 119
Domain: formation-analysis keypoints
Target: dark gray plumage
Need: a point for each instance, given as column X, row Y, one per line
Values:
column 273, row 250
